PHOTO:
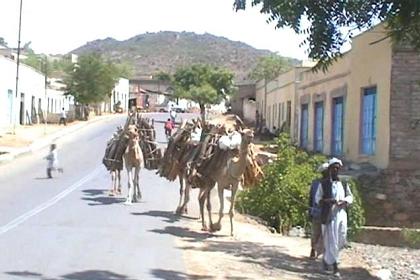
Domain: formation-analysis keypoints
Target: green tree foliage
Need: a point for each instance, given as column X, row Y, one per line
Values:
column 162, row 76
column 125, row 69
column 269, row 67
column 3, row 42
column 325, row 36
column 91, row 80
column 282, row 196
column 203, row 84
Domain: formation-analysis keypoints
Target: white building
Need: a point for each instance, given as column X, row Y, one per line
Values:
column 120, row 93
column 32, row 102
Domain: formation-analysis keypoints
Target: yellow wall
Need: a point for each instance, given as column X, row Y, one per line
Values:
column 366, row 65
column 370, row 66
column 319, row 86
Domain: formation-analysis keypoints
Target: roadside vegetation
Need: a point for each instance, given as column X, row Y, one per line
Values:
column 281, row 198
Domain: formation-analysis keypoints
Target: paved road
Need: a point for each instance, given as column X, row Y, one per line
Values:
column 69, row 228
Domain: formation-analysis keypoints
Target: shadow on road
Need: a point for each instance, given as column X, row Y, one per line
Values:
column 176, row 275
column 100, row 197
column 272, row 258
column 170, row 217
column 184, row 233
column 82, row 275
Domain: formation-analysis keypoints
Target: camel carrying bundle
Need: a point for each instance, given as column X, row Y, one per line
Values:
column 181, row 150
column 219, row 143
column 150, row 148
column 114, row 151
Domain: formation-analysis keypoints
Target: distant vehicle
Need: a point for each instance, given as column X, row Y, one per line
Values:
column 178, row 109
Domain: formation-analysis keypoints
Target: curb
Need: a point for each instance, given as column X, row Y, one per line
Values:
column 46, row 141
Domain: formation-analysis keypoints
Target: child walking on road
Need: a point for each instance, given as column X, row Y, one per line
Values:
column 52, row 161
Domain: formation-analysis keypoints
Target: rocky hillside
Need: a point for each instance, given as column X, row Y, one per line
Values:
column 166, row 51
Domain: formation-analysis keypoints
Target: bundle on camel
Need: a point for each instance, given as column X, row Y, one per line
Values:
column 117, row 145
column 181, row 150
column 222, row 145
column 151, row 151
column 115, row 148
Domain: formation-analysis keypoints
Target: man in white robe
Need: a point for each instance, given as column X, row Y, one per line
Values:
column 333, row 198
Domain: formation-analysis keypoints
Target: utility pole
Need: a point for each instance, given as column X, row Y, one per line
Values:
column 17, row 69
column 45, row 93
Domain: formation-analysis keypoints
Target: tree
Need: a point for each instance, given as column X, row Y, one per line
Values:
column 269, row 67
column 203, row 84
column 91, row 80
column 328, row 18
column 3, row 42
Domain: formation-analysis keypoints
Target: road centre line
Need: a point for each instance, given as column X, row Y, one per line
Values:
column 21, row 219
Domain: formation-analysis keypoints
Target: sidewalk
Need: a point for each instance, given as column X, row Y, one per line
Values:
column 31, row 138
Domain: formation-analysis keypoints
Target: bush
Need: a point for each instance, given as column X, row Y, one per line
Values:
column 412, row 237
column 282, row 196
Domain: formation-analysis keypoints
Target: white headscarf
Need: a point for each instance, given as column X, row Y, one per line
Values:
column 335, row 161
column 323, row 167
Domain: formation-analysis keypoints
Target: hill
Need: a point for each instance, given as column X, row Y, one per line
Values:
column 166, row 51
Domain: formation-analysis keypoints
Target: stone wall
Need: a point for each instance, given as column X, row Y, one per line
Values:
column 392, row 198
column 405, row 109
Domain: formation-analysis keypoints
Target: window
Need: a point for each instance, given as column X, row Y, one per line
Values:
column 337, row 126
column 289, row 114
column 279, row 115
column 368, row 122
column 319, row 127
column 273, row 116
column 304, row 126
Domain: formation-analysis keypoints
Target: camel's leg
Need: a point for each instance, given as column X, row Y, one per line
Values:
column 201, row 200
column 207, row 195
column 113, row 178
column 232, row 205
column 220, row 191
column 130, row 187
column 137, row 193
column 181, row 193
column 119, row 181
column 184, row 208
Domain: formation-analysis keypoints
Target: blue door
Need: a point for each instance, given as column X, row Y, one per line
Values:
column 337, row 126
column 368, row 131
column 304, row 126
column 319, row 127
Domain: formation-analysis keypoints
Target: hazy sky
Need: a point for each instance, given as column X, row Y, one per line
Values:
column 59, row 26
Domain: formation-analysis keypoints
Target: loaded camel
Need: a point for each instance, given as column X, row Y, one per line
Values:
column 229, row 175
column 133, row 159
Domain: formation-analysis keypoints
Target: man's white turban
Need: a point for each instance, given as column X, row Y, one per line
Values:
column 335, row 161
column 323, row 167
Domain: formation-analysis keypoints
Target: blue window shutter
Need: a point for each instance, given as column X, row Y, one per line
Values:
column 304, row 126
column 368, row 131
column 337, row 131
column 319, row 127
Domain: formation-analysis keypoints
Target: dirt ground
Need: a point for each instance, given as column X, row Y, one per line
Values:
column 25, row 135
column 254, row 253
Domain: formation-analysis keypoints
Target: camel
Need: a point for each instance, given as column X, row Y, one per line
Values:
column 229, row 176
column 133, row 158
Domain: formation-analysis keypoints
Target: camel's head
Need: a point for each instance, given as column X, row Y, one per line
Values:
column 247, row 135
column 132, row 131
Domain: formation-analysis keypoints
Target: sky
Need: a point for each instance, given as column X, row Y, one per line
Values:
column 59, row 26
